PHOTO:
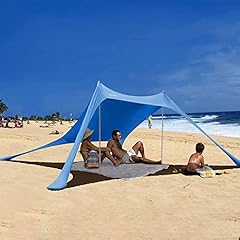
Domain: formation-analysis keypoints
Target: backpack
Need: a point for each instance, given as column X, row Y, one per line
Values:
column 92, row 160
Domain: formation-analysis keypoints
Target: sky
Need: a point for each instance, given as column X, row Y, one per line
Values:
column 52, row 53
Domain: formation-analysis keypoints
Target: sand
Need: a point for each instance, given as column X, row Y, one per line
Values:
column 163, row 206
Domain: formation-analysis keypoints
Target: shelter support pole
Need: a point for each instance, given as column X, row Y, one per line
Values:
column 162, row 138
column 99, row 132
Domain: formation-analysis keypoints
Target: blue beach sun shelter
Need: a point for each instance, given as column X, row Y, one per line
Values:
column 108, row 110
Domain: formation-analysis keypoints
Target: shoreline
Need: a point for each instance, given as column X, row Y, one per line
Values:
column 32, row 136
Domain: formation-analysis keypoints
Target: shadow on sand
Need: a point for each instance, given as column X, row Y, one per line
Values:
column 82, row 178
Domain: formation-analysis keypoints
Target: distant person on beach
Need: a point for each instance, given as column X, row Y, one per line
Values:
column 128, row 156
column 1, row 121
column 55, row 132
column 149, row 120
column 195, row 161
column 18, row 124
column 87, row 146
column 7, row 123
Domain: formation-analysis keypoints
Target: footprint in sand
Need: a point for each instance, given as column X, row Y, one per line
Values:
column 234, row 219
column 40, row 211
column 5, row 225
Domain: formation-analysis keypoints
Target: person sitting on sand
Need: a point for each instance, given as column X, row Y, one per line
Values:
column 128, row 156
column 195, row 161
column 87, row 146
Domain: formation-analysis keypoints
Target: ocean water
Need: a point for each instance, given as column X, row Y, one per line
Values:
column 213, row 123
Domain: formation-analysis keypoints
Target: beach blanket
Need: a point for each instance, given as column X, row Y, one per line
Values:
column 206, row 172
column 123, row 171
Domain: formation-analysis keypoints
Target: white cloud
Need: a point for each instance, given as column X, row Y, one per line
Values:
column 210, row 77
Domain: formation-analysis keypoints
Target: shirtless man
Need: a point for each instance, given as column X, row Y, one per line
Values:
column 87, row 146
column 128, row 156
column 195, row 161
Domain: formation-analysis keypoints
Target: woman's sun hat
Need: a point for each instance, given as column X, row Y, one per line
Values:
column 87, row 133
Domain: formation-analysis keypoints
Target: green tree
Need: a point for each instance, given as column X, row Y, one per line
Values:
column 56, row 116
column 3, row 107
column 33, row 117
column 47, row 118
column 39, row 118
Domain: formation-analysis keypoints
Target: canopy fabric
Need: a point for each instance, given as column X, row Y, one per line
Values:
column 118, row 111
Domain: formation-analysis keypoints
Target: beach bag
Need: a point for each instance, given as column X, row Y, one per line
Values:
column 206, row 172
column 92, row 160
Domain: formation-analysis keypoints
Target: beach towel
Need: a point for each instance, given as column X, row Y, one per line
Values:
column 206, row 172
column 123, row 171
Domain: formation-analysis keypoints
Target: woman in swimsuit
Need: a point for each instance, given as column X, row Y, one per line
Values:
column 87, row 146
